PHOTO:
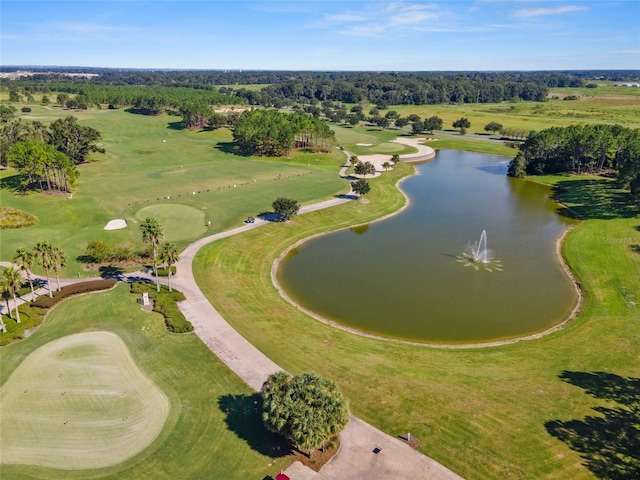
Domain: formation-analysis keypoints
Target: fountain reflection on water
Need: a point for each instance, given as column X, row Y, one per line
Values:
column 478, row 256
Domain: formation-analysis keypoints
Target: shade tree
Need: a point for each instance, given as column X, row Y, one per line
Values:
column 285, row 208
column 462, row 123
column 360, row 186
column 306, row 409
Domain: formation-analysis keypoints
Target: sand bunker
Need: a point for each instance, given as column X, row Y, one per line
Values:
column 364, row 144
column 116, row 224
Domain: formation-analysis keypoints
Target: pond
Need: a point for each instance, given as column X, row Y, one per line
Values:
column 407, row 277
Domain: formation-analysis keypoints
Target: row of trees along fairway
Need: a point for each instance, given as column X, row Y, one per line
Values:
column 272, row 133
column 582, row 149
column 306, row 409
column 46, row 156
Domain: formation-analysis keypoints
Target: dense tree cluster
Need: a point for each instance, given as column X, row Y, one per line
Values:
column 307, row 409
column 170, row 89
column 580, row 149
column 151, row 100
column 47, row 156
column 273, row 133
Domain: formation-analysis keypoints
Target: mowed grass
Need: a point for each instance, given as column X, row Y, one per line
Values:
column 180, row 222
column 211, row 430
column 610, row 109
column 149, row 159
column 487, row 413
column 79, row 402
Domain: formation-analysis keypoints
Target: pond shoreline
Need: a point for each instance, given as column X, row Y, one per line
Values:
column 492, row 343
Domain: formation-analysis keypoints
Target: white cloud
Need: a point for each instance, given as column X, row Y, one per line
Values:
column 346, row 17
column 538, row 12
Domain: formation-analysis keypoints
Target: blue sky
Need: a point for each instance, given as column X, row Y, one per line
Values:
column 323, row 35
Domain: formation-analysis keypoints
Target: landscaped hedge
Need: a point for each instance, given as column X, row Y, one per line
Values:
column 163, row 272
column 45, row 301
column 165, row 303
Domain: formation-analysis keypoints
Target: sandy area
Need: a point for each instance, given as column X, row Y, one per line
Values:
column 424, row 153
column 116, row 224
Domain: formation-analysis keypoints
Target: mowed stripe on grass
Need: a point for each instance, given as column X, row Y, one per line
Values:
column 79, row 402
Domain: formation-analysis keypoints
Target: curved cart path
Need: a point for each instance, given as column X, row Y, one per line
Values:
column 366, row 453
column 356, row 459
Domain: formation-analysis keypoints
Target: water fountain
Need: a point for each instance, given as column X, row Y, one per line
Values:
column 478, row 256
column 479, row 252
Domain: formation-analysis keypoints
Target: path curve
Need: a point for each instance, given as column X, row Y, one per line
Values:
column 356, row 458
column 365, row 452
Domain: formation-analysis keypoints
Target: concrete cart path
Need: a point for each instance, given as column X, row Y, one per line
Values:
column 393, row 458
column 356, row 458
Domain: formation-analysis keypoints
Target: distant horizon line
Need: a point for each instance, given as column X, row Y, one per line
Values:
column 4, row 68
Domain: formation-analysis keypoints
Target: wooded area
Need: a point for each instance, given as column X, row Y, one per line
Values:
column 582, row 149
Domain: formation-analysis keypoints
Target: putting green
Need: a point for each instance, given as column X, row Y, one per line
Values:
column 79, row 402
column 180, row 222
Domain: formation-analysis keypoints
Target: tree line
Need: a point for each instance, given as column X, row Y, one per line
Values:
column 173, row 88
column 582, row 149
column 273, row 133
column 46, row 156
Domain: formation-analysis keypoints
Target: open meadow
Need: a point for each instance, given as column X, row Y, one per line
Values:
column 533, row 409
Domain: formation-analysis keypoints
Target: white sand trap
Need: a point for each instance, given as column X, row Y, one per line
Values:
column 116, row 224
column 364, row 144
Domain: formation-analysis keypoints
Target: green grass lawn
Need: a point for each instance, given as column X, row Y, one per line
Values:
column 489, row 413
column 57, row 396
column 527, row 410
column 211, row 431
column 149, row 159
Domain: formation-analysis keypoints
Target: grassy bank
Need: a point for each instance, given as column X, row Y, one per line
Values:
column 485, row 413
column 212, row 430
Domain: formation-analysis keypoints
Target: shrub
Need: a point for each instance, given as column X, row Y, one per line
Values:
column 31, row 317
column 45, row 301
column 165, row 303
column 25, row 109
column 98, row 251
column 162, row 272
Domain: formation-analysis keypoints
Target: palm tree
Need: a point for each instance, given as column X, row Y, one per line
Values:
column 12, row 281
column 24, row 259
column 169, row 255
column 5, row 291
column 386, row 166
column 58, row 262
column 152, row 235
column 43, row 254
column 395, row 158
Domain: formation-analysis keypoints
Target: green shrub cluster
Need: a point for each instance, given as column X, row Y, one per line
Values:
column 163, row 272
column 44, row 301
column 30, row 318
column 165, row 303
